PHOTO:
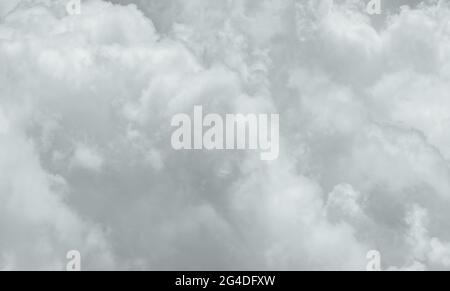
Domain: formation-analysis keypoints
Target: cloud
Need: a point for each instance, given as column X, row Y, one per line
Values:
column 86, row 157
column 37, row 227
column 426, row 250
column 86, row 105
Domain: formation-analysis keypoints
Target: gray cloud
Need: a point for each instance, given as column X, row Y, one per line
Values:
column 85, row 155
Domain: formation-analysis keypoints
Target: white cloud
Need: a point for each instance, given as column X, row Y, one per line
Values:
column 363, row 113
column 86, row 157
column 37, row 226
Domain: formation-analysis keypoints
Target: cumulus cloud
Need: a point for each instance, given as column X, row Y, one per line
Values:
column 86, row 157
column 86, row 102
column 37, row 226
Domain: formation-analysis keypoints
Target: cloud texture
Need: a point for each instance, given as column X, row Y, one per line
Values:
column 85, row 156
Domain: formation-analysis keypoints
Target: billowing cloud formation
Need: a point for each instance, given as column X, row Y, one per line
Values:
column 86, row 162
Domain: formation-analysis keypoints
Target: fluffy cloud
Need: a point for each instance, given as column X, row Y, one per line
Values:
column 86, row 103
column 37, row 227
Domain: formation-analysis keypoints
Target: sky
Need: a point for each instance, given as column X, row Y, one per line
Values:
column 86, row 162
